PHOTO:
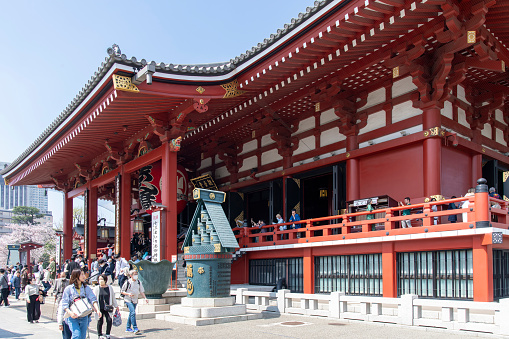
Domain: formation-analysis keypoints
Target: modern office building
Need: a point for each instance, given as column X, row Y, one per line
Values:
column 12, row 196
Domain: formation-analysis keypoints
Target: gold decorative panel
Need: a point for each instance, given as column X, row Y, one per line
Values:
column 232, row 89
column 123, row 83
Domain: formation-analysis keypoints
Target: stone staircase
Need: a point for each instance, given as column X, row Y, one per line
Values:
column 181, row 272
column 149, row 310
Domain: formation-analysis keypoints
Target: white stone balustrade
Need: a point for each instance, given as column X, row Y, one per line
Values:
column 489, row 317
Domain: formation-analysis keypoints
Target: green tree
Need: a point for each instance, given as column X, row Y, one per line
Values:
column 26, row 215
column 77, row 215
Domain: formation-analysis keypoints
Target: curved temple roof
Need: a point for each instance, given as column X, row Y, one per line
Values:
column 212, row 70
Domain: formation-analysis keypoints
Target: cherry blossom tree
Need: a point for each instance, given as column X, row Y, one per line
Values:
column 41, row 233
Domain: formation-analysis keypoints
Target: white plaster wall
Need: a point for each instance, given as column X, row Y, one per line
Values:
column 305, row 145
column 270, row 156
column 249, row 163
column 447, row 110
column 249, row 146
column 267, row 140
column 331, row 136
column 222, row 172
column 376, row 97
column 217, row 160
column 461, row 93
column 500, row 136
column 306, row 125
column 499, row 116
column 328, row 116
column 486, row 131
column 462, row 118
column 395, row 135
column 205, row 163
column 402, row 86
column 404, row 111
column 375, row 121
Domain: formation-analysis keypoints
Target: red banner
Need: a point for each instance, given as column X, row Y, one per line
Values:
column 150, row 186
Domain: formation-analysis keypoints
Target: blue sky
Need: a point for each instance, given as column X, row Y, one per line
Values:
column 50, row 49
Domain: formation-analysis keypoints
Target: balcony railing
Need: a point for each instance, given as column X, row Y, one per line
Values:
column 481, row 211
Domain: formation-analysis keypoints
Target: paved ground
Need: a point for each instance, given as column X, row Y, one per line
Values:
column 13, row 324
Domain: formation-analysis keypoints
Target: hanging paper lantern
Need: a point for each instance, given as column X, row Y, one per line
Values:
column 150, row 186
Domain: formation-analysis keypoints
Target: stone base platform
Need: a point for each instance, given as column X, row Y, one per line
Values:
column 207, row 311
column 154, row 306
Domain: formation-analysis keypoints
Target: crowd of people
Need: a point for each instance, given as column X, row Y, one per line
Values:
column 76, row 287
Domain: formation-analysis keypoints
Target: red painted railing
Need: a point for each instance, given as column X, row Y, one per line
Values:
column 348, row 226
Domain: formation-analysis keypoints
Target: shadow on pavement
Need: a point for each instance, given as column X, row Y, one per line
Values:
column 9, row 334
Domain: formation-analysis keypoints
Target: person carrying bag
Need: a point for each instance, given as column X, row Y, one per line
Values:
column 107, row 304
column 78, row 300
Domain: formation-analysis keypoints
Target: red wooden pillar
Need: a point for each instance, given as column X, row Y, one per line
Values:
column 432, row 152
column 352, row 170
column 68, row 205
column 476, row 168
column 308, row 271
column 483, row 269
column 390, row 285
column 125, row 214
column 92, row 223
column 169, row 199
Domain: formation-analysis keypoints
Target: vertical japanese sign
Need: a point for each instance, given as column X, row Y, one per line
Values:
column 156, row 236
column 58, row 250
column 85, row 224
column 117, row 216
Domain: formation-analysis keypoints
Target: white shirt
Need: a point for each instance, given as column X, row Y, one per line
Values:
column 120, row 265
column 135, row 287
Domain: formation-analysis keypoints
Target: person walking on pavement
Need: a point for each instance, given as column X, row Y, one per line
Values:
column 4, row 287
column 107, row 305
column 33, row 303
column 16, row 283
column 119, row 269
column 131, row 289
column 78, row 289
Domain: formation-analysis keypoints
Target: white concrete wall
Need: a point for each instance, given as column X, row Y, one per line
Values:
column 404, row 111
column 270, row 156
column 305, row 125
column 403, row 86
column 461, row 93
column 462, row 118
column 500, row 137
column 375, row 121
column 305, row 145
column 267, row 140
column 499, row 116
column 375, row 97
column 328, row 116
column 249, row 146
column 331, row 136
column 447, row 110
column 486, row 131
column 249, row 163
column 222, row 172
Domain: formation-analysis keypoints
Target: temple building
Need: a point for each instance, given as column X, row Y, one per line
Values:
column 350, row 101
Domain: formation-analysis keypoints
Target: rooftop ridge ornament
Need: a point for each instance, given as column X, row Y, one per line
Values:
column 114, row 50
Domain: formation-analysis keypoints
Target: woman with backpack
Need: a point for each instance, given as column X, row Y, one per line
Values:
column 131, row 289
column 107, row 305
column 76, row 290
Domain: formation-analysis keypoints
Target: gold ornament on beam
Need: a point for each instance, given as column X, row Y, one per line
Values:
column 471, row 37
column 232, row 89
column 395, row 72
column 123, row 83
column 200, row 89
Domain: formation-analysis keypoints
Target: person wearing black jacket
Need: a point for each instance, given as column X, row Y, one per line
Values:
column 72, row 266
